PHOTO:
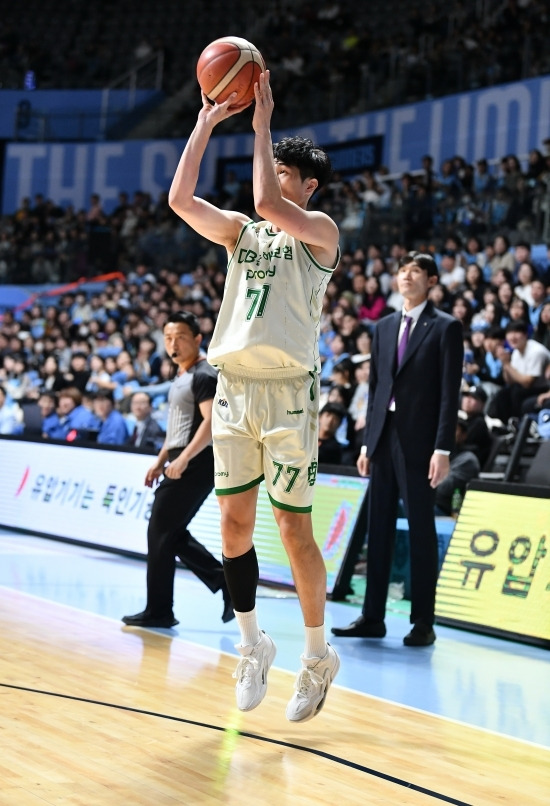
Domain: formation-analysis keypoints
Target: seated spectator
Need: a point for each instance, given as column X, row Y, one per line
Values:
column 147, row 361
column 505, row 295
column 519, row 312
column 123, row 379
column 540, row 300
column 144, row 430
column 490, row 369
column 503, row 257
column 78, row 374
column 452, row 274
column 524, row 276
column 357, row 409
column 472, row 407
column 19, row 382
column 112, row 425
column 343, row 374
column 72, row 421
column 330, row 419
column 463, row 311
column 464, row 466
column 374, row 301
column 51, row 377
column 47, row 403
column 536, row 403
column 337, row 352
column 523, row 368
column 11, row 415
column 99, row 377
column 345, row 433
column 438, row 294
column 363, row 341
column 474, row 285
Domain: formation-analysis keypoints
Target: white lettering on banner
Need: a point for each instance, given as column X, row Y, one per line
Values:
column 436, row 127
column 511, row 108
column 401, row 118
column 381, row 124
column 342, row 130
column 90, row 495
column 104, row 153
column 73, row 192
column 463, row 127
column 484, row 123
column 544, row 114
column 362, row 127
column 159, row 160
column 25, row 156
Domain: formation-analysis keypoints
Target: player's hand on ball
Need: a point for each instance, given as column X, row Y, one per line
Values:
column 214, row 112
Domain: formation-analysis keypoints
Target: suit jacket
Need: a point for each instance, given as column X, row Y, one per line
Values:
column 152, row 436
column 426, row 386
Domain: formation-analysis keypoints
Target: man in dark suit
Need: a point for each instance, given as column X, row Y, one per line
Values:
column 416, row 370
column 147, row 433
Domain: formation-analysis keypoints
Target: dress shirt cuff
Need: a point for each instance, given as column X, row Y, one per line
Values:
column 363, row 451
column 443, row 453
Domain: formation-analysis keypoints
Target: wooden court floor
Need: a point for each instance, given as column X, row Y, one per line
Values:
column 94, row 713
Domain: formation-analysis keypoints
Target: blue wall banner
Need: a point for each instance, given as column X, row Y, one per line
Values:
column 492, row 122
column 64, row 114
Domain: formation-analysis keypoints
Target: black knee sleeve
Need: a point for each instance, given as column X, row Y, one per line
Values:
column 242, row 575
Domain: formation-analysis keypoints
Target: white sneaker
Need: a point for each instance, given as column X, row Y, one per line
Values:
column 312, row 685
column 251, row 672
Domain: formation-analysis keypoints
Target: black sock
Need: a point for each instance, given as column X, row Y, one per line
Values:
column 242, row 575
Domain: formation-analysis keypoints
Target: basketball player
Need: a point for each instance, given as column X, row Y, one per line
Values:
column 265, row 414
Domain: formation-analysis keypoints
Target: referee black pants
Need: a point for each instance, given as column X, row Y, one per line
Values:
column 176, row 503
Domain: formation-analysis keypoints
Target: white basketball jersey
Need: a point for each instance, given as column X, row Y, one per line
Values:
column 270, row 314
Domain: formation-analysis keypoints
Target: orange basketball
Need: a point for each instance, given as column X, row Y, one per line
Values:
column 227, row 65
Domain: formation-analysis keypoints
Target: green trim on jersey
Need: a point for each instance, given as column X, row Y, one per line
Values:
column 287, row 507
column 317, row 264
column 243, row 488
column 239, row 239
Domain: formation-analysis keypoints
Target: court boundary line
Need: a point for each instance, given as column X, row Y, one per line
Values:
column 175, row 636
column 247, row 735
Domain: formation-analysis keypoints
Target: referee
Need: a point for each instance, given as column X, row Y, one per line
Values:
column 187, row 465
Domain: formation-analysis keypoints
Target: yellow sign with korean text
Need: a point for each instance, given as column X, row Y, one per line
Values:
column 496, row 572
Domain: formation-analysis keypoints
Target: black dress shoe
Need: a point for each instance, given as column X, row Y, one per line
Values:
column 361, row 628
column 145, row 619
column 228, row 612
column 420, row 635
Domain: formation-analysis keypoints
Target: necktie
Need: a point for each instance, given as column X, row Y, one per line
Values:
column 133, row 438
column 401, row 347
column 404, row 340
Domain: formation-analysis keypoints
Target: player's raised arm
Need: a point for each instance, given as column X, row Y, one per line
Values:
column 281, row 192
column 219, row 226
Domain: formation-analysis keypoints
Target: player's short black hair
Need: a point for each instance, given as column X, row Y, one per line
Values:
column 422, row 259
column 185, row 318
column 301, row 152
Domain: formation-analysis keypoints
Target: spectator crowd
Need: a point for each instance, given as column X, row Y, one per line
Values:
column 89, row 357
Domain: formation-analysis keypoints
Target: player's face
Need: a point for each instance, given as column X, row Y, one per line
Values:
column 293, row 187
column 413, row 284
column 180, row 343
